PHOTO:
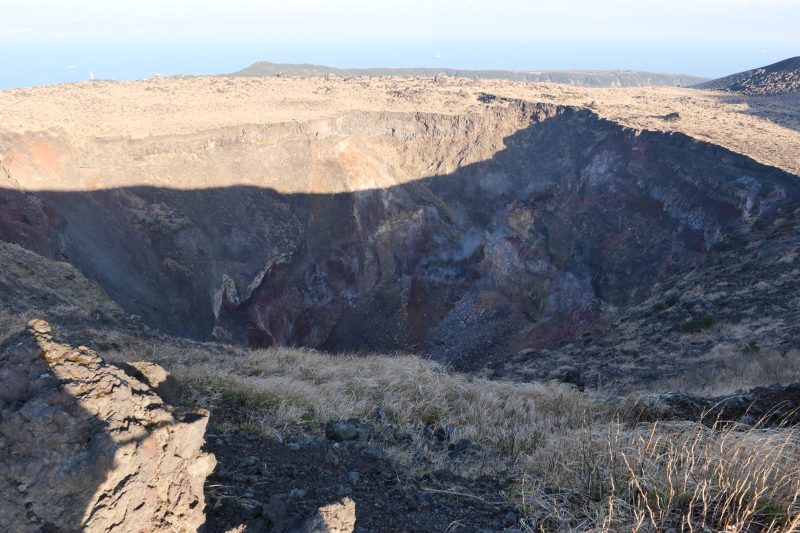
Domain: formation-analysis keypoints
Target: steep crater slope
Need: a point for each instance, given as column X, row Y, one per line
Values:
column 468, row 238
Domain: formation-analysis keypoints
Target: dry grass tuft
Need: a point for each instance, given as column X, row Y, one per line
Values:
column 299, row 386
column 665, row 477
column 730, row 370
column 11, row 323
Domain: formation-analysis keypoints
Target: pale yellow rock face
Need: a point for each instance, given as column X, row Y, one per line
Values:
column 90, row 448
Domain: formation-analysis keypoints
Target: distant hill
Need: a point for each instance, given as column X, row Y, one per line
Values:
column 583, row 78
column 779, row 78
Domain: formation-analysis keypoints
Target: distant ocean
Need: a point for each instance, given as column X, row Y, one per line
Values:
column 25, row 63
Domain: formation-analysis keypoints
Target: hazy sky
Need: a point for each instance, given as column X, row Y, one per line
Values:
column 47, row 41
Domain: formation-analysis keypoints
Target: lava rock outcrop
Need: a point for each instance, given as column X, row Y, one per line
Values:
column 85, row 446
column 775, row 405
column 782, row 77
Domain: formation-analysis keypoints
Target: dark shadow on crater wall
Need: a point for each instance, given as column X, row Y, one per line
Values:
column 575, row 218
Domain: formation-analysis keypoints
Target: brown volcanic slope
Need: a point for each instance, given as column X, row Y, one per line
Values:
column 782, row 77
column 467, row 222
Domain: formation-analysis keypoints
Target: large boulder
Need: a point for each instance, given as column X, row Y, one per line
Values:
column 85, row 446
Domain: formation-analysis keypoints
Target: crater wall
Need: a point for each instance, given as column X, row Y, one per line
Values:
column 463, row 237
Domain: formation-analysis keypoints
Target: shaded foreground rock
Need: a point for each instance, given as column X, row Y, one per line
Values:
column 85, row 446
column 352, row 429
column 766, row 406
column 151, row 374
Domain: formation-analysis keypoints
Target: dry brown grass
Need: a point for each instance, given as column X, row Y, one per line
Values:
column 584, row 462
column 735, row 368
column 299, row 386
column 665, row 477
column 11, row 323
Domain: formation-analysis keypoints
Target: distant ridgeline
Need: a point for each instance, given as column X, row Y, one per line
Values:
column 583, row 78
column 782, row 77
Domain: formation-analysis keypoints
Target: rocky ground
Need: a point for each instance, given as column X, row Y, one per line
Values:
column 782, row 77
column 272, row 485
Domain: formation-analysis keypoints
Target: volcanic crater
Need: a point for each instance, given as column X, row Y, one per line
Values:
column 467, row 238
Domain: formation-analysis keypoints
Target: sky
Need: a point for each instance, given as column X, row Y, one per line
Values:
column 53, row 41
